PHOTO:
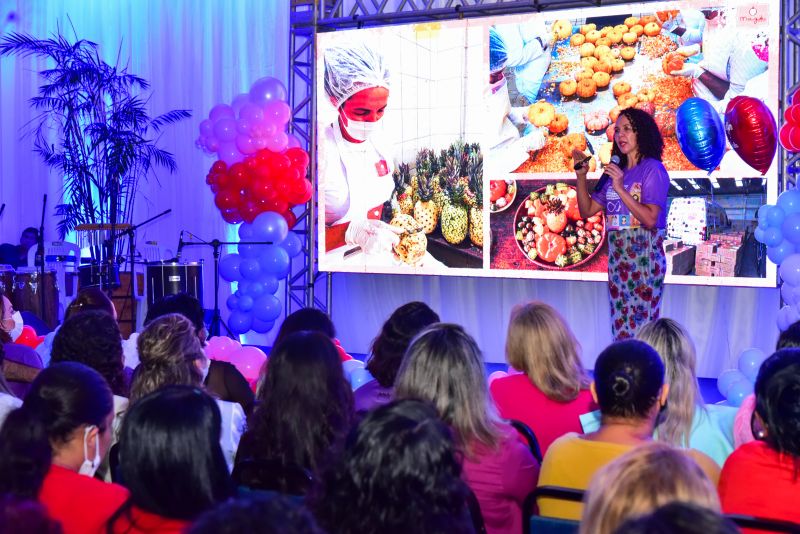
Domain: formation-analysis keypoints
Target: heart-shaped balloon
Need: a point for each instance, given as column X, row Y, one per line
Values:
column 700, row 133
column 752, row 131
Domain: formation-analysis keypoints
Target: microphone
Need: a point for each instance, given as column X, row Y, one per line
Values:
column 180, row 247
column 601, row 183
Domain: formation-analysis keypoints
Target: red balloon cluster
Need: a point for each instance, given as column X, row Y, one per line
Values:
column 265, row 181
column 752, row 131
column 790, row 131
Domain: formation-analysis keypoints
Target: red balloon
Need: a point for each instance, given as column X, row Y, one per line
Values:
column 219, row 166
column 277, row 205
column 291, row 218
column 298, row 157
column 793, row 113
column 796, row 98
column 232, row 216
column 28, row 337
column 790, row 137
column 752, row 131
column 249, row 210
column 227, row 199
column 297, row 192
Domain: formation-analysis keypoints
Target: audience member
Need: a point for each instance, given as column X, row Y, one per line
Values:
column 679, row 518
column 761, row 477
column 223, row 379
column 313, row 320
column 629, row 388
column 552, row 391
column 399, row 472
column 387, row 353
column 25, row 515
column 171, row 354
column 444, row 366
column 51, row 446
column 273, row 514
column 640, row 481
column 8, row 401
column 17, row 255
column 305, row 411
column 9, row 320
column 170, row 461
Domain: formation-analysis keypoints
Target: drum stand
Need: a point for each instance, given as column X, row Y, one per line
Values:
column 216, row 318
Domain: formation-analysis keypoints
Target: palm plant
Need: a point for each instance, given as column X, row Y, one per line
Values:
column 94, row 128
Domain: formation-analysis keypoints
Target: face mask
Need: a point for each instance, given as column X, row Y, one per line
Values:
column 88, row 467
column 359, row 130
column 18, row 324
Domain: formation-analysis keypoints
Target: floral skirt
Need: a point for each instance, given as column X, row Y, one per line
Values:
column 636, row 268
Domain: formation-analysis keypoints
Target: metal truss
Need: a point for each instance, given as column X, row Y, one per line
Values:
column 790, row 82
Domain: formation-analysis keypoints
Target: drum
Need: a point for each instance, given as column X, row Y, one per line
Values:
column 26, row 296
column 170, row 278
column 98, row 275
column 7, row 280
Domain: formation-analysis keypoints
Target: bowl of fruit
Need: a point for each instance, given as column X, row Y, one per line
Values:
column 550, row 231
column 501, row 194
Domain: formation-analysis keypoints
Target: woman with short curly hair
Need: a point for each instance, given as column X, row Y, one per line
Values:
column 634, row 201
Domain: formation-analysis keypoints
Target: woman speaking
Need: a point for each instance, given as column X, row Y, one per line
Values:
column 633, row 195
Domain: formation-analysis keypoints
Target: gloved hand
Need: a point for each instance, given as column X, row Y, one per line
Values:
column 688, row 51
column 373, row 236
column 535, row 140
column 519, row 115
column 689, row 70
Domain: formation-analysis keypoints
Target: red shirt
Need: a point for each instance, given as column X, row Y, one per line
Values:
column 757, row 481
column 517, row 398
column 82, row 504
column 138, row 521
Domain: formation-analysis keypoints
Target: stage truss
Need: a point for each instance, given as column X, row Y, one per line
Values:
column 307, row 286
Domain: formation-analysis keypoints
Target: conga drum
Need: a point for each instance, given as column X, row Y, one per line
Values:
column 7, row 280
column 26, row 296
column 170, row 278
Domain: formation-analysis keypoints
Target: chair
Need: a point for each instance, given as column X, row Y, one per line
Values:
column 537, row 524
column 475, row 512
column 63, row 257
column 764, row 524
column 272, row 475
column 530, row 437
column 20, row 367
column 152, row 252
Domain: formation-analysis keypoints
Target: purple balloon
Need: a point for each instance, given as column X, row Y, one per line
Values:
column 260, row 143
column 221, row 111
column 246, row 232
column 772, row 237
column 790, row 270
column 750, row 361
column 267, row 90
column 292, row 245
column 739, row 391
column 267, row 308
column 278, row 142
column 254, row 289
column 212, row 143
column 239, row 101
column 790, row 294
column 246, row 303
column 243, row 126
column 250, row 269
column 277, row 113
column 270, row 283
column 229, row 267
column 232, row 302
column 789, row 201
column 775, row 216
column 245, row 144
column 727, row 378
column 206, row 128
column 294, row 142
column 275, row 260
column 240, row 322
column 777, row 254
column 249, row 251
column 225, row 129
column 251, row 112
column 787, row 316
column 270, row 226
column 262, row 327
column 228, row 153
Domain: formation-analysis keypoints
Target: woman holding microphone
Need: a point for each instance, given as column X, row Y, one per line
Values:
column 633, row 194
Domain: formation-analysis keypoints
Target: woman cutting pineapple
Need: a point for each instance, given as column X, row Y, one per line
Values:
column 356, row 165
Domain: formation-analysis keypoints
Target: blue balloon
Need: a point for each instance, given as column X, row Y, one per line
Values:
column 275, row 260
column 267, row 308
column 254, row 289
column 250, row 269
column 790, row 270
column 739, row 391
column 772, row 237
column 270, row 283
column 270, row 226
column 750, row 362
column 762, row 213
column 229, row 267
column 787, row 316
column 789, row 201
column 292, row 245
column 240, row 322
column 777, row 254
column 349, row 365
column 359, row 376
column 246, row 303
column 246, row 232
column 775, row 216
column 249, row 251
column 759, row 234
column 262, row 327
column 232, row 302
column 700, row 133
column 728, row 378
column 791, row 228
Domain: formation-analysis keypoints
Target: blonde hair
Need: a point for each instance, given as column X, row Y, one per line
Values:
column 168, row 348
column 540, row 343
column 640, row 481
column 444, row 366
column 676, row 349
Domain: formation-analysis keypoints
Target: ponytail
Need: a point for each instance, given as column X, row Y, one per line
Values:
column 25, row 453
column 629, row 376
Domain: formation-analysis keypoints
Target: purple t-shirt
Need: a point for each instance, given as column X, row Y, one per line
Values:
column 647, row 182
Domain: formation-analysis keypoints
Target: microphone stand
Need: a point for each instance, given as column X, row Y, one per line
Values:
column 216, row 319
column 39, row 261
column 130, row 232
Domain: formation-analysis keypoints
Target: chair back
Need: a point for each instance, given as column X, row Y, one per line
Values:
column 763, row 524
column 527, row 433
column 532, row 522
column 475, row 512
column 152, row 252
column 272, row 475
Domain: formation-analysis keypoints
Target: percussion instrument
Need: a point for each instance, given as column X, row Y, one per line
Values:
column 170, row 278
column 98, row 275
column 7, row 280
column 25, row 296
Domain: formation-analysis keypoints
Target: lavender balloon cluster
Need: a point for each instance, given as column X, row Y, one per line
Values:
column 257, row 269
column 253, row 121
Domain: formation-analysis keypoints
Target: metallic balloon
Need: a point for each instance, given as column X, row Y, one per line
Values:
column 700, row 133
column 752, row 131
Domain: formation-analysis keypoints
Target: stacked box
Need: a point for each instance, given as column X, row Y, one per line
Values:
column 672, row 244
column 680, row 260
column 715, row 259
column 707, row 250
column 728, row 238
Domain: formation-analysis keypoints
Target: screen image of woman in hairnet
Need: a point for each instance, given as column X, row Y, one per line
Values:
column 357, row 161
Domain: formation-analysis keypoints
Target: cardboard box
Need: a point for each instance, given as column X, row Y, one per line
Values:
column 680, row 261
column 672, row 244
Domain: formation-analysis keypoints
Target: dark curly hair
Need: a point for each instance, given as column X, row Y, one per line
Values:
column 89, row 299
column 93, row 338
column 778, row 402
column 308, row 319
column 628, row 378
column 274, row 514
column 399, row 473
column 306, row 403
column 648, row 137
column 789, row 338
column 396, row 334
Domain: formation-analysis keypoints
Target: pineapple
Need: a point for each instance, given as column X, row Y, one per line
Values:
column 425, row 211
column 423, row 168
column 402, row 188
column 475, row 172
column 454, row 218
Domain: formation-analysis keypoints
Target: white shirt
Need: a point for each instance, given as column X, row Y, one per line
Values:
column 233, row 426
column 8, row 403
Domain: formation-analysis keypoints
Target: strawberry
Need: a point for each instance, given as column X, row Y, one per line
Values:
column 555, row 216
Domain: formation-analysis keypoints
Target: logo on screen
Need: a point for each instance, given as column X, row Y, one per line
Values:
column 754, row 15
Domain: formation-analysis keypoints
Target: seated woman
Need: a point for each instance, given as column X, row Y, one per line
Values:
column 305, row 410
column 312, row 320
column 761, row 477
column 170, row 461
column 444, row 366
column 398, row 472
column 52, row 445
column 387, row 353
column 552, row 391
column 639, row 482
column 630, row 390
column 171, row 355
column 8, row 401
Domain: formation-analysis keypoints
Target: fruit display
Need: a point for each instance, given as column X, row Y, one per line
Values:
column 413, row 243
column 550, row 231
column 541, row 113
column 558, row 124
column 501, row 194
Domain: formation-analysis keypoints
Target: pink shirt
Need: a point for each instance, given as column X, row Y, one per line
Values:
column 501, row 479
column 517, row 398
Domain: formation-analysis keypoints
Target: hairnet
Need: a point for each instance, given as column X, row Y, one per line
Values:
column 498, row 55
column 352, row 68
